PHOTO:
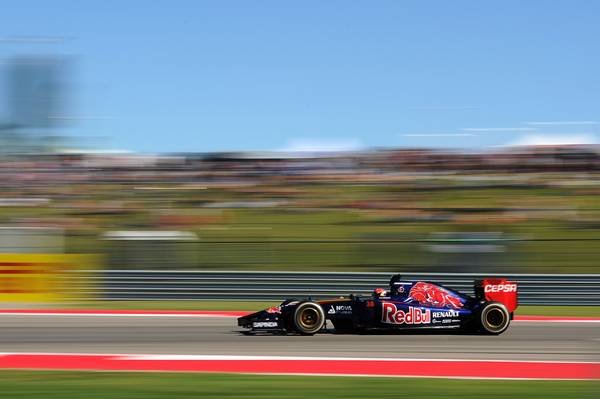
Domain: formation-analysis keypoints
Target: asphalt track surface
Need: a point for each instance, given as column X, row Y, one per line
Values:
column 221, row 336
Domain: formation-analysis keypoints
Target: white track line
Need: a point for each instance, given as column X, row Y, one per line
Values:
column 557, row 321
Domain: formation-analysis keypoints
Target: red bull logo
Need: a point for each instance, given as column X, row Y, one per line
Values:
column 390, row 314
column 433, row 296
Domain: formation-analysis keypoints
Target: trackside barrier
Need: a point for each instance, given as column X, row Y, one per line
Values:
column 534, row 289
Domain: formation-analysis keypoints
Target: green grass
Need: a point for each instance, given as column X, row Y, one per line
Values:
column 67, row 385
column 592, row 311
column 299, row 237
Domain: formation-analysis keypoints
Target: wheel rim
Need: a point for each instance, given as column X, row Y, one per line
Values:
column 309, row 318
column 495, row 318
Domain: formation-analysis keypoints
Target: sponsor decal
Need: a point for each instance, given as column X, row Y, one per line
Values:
column 390, row 314
column 274, row 309
column 500, row 288
column 445, row 321
column 264, row 324
column 343, row 308
column 445, row 314
column 434, row 296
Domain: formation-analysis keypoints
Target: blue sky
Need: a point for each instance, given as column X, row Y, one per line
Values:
column 264, row 75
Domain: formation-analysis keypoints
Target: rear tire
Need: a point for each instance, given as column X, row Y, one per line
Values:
column 494, row 318
column 309, row 318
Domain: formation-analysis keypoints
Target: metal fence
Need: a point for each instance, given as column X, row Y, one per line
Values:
column 534, row 289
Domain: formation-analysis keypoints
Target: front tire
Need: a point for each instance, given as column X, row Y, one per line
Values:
column 309, row 318
column 494, row 318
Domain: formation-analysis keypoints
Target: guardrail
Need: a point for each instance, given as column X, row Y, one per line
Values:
column 534, row 289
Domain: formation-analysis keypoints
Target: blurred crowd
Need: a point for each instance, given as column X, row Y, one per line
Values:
column 250, row 167
column 379, row 209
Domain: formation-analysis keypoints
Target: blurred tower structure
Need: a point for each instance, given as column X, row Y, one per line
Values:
column 36, row 92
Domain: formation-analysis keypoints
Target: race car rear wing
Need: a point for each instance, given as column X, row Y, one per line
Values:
column 498, row 290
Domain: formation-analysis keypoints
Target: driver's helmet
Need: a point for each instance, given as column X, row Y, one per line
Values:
column 377, row 292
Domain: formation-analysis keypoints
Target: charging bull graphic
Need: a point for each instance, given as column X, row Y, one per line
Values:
column 433, row 296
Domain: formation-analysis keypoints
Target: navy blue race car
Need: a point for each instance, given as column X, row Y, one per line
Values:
column 402, row 305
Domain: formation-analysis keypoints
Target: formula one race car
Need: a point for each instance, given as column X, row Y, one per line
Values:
column 404, row 305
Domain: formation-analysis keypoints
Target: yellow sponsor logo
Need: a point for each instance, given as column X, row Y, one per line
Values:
column 44, row 277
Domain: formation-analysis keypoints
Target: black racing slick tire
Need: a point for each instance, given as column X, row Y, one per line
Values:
column 309, row 318
column 494, row 318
